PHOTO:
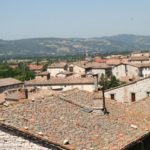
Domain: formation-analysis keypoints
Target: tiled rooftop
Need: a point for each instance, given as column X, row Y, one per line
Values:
column 56, row 81
column 35, row 67
column 93, row 65
column 83, row 98
column 58, row 65
column 139, row 58
column 58, row 120
column 9, row 81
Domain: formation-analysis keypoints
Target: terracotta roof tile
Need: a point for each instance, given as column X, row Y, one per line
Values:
column 35, row 67
column 139, row 58
column 58, row 65
column 93, row 65
column 58, row 119
column 60, row 81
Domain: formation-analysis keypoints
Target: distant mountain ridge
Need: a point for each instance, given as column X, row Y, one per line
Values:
column 63, row 46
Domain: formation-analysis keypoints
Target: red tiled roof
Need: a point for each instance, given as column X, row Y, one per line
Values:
column 100, row 60
column 35, row 67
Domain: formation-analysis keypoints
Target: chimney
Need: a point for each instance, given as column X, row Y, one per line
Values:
column 23, row 94
column 48, row 76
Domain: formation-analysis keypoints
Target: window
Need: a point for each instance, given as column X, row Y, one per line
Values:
column 71, row 69
column 133, row 97
column 112, row 96
column 148, row 93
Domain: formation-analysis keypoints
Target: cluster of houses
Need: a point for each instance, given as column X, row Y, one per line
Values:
column 86, row 74
column 73, row 118
column 134, row 70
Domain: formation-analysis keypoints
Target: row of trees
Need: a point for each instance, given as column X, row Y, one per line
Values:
column 22, row 72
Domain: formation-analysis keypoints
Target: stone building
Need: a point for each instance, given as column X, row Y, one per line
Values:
column 131, row 71
column 84, row 67
column 9, row 83
column 131, row 92
column 63, row 84
column 126, row 70
column 139, row 59
column 56, row 68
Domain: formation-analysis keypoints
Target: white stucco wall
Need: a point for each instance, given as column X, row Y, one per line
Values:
column 54, row 71
column 12, row 142
column 123, row 94
column 146, row 71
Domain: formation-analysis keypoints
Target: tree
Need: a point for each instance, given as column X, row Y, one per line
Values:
column 45, row 67
column 21, row 72
column 108, row 83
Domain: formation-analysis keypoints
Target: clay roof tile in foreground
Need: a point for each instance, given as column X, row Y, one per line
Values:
column 59, row 119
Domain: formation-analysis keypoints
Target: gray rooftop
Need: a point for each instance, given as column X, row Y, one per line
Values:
column 9, row 81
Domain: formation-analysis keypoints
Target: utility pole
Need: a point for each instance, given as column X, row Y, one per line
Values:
column 104, row 109
column 102, row 84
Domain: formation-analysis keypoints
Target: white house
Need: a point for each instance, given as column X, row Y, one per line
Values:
column 145, row 70
column 63, row 84
column 131, row 92
column 86, row 68
column 56, row 68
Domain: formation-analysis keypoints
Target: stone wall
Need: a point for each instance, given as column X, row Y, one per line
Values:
column 123, row 93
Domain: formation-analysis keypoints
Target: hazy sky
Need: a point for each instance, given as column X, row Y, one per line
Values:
column 73, row 18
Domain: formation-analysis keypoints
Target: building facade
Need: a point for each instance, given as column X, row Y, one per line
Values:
column 131, row 92
column 125, row 70
column 9, row 83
